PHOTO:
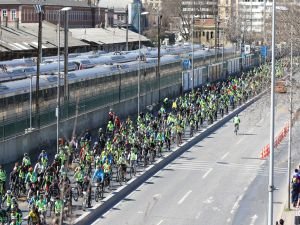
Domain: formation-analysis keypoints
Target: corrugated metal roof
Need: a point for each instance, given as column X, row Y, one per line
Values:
column 106, row 35
column 26, row 38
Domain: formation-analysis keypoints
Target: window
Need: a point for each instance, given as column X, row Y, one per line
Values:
column 13, row 14
column 211, row 34
column 4, row 13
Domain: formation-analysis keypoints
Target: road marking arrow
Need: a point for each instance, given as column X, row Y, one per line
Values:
column 253, row 219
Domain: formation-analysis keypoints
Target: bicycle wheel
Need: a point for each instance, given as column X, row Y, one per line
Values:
column 75, row 194
column 102, row 191
column 97, row 194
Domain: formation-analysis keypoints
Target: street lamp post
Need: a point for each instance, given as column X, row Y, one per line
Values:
column 58, row 75
column 126, row 11
column 30, row 104
column 290, row 123
column 139, row 64
column 193, row 21
column 66, row 53
column 158, row 52
column 272, row 109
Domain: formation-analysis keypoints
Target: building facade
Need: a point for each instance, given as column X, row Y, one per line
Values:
column 201, row 8
column 84, row 14
column 251, row 14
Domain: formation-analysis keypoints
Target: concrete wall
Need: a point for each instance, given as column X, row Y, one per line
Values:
column 45, row 138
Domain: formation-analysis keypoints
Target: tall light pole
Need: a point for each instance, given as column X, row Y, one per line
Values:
column 58, row 75
column 272, row 109
column 66, row 53
column 39, row 11
column 30, row 104
column 290, row 123
column 58, row 83
column 158, row 52
column 126, row 11
column 139, row 64
column 193, row 20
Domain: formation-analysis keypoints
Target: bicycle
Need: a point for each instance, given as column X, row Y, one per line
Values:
column 132, row 170
column 120, row 174
column 236, row 128
column 99, row 191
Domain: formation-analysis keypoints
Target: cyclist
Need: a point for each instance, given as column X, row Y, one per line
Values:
column 107, row 171
column 7, row 197
column 26, row 162
column 2, row 181
column 34, row 215
column 58, row 206
column 87, row 187
column 43, row 157
column 236, row 121
column 41, row 205
column 98, row 176
column 123, row 164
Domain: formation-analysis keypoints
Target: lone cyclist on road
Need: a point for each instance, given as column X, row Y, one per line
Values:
column 236, row 121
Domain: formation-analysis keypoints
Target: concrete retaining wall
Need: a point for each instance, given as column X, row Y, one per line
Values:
column 45, row 138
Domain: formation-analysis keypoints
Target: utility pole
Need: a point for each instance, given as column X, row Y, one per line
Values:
column 193, row 20
column 39, row 10
column 215, row 37
column 272, row 125
column 290, row 123
column 66, row 53
column 127, row 28
column 158, row 53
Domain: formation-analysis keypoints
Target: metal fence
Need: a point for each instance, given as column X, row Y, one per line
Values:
column 16, row 125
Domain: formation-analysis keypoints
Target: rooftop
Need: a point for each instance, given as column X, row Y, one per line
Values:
column 79, row 3
column 102, row 36
column 25, row 38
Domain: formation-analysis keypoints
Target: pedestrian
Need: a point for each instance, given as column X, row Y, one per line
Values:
column 281, row 222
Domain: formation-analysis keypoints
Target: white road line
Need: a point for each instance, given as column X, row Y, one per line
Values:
column 253, row 219
column 160, row 222
column 198, row 215
column 184, row 197
column 236, row 204
column 228, row 220
column 239, row 141
column 225, row 155
column 205, row 175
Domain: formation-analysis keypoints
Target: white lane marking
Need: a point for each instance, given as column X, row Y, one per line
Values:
column 239, row 141
column 198, row 215
column 209, row 200
column 184, row 197
column 225, row 155
column 97, row 221
column 236, row 204
column 205, row 175
column 140, row 212
column 228, row 220
column 160, row 222
column 253, row 219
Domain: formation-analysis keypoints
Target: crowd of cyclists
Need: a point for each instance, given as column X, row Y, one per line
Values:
column 85, row 166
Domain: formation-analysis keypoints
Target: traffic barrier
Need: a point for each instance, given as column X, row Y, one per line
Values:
column 278, row 139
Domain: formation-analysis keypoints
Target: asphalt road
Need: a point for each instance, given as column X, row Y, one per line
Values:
column 221, row 180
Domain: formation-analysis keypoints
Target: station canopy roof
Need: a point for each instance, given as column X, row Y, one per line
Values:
column 106, row 36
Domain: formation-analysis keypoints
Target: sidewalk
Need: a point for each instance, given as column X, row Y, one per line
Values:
column 289, row 216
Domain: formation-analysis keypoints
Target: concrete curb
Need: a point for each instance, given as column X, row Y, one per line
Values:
column 115, row 197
